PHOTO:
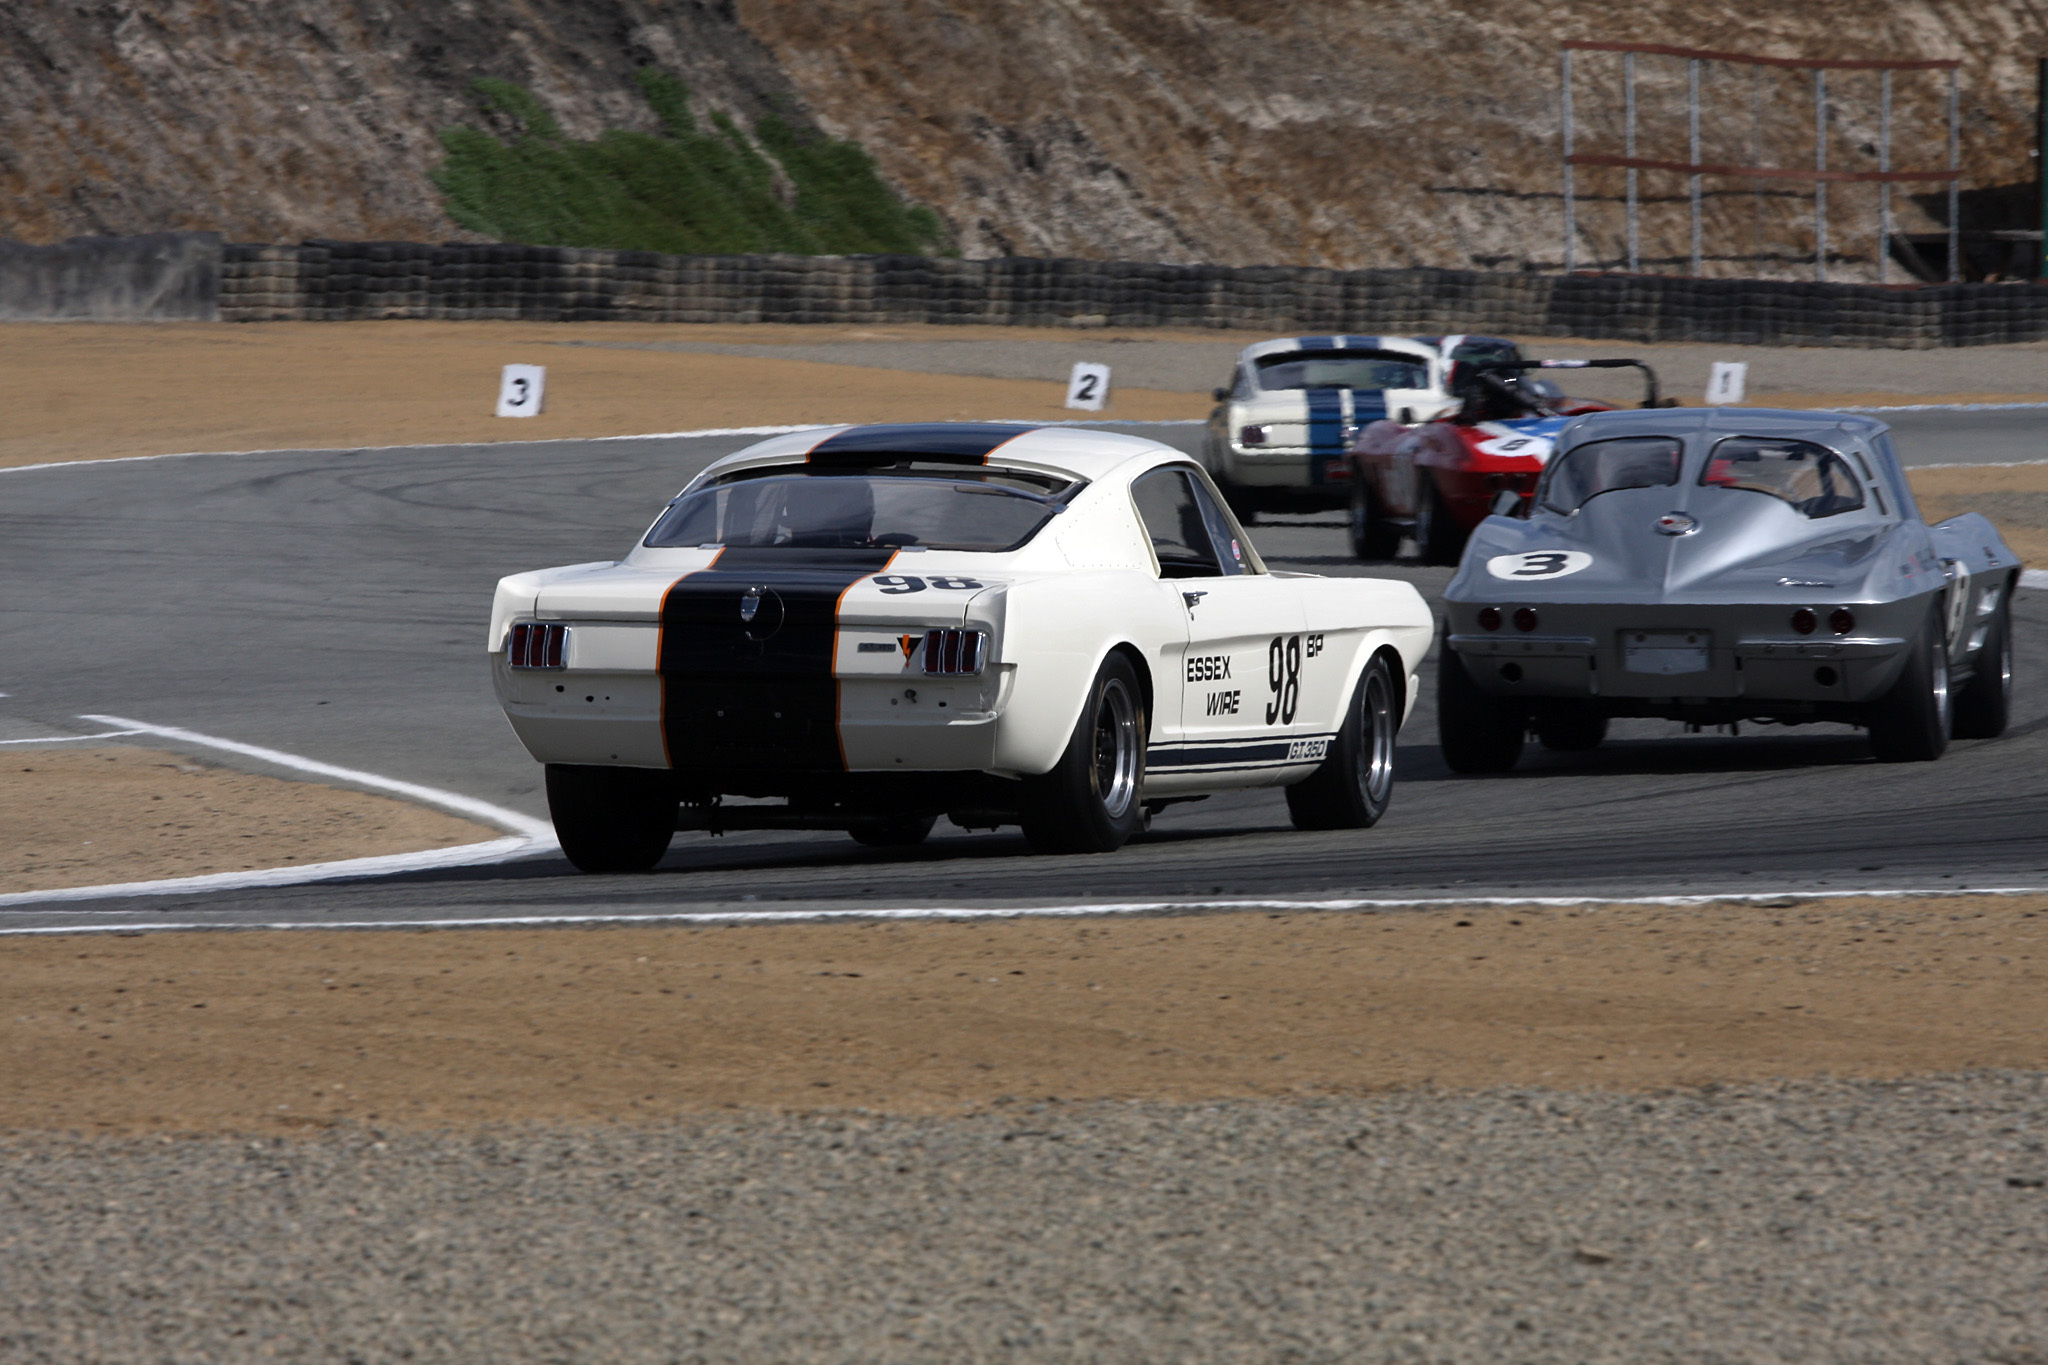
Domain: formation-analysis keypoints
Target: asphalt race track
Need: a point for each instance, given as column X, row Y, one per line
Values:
column 333, row 605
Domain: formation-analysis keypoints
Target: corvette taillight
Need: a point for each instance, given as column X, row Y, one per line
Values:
column 954, row 651
column 1804, row 621
column 1525, row 618
column 533, row 644
column 1489, row 618
column 1841, row 620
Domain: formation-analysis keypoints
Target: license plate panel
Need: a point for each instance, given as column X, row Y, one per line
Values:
column 1666, row 652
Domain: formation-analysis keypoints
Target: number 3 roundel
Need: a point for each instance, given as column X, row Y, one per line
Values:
column 1538, row 564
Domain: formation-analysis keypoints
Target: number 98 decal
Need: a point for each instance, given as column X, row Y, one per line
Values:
column 1538, row 564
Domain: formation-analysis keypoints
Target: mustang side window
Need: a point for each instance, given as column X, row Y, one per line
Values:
column 1222, row 537
column 1586, row 471
column 1173, row 519
column 1815, row 480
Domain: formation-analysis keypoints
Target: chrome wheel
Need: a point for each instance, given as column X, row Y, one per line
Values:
column 1116, row 748
column 1942, row 703
column 1379, row 722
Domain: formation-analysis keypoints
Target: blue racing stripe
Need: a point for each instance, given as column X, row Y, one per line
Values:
column 1325, row 432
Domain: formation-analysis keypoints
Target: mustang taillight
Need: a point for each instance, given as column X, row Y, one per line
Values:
column 954, row 651
column 1251, row 436
column 1841, row 620
column 1804, row 621
column 533, row 644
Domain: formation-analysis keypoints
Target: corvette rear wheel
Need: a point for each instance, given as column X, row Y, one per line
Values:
column 1911, row 723
column 1984, row 704
column 1477, row 731
column 1572, row 730
column 1089, row 802
column 1438, row 537
column 898, row 831
column 1372, row 537
column 1356, row 780
column 611, row 819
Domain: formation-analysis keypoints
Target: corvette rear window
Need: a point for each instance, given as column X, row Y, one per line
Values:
column 951, row 510
column 1814, row 479
column 1586, row 471
column 1341, row 370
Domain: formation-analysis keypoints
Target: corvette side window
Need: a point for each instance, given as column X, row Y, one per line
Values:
column 1814, row 479
column 1173, row 519
column 1586, row 471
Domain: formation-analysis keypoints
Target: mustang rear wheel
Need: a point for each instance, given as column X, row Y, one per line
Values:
column 897, row 831
column 611, row 819
column 1372, row 536
column 1089, row 802
column 1437, row 536
column 1984, row 704
column 1477, row 731
column 1911, row 722
column 1356, row 780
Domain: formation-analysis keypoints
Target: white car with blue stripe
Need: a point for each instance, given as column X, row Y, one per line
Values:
column 1278, row 435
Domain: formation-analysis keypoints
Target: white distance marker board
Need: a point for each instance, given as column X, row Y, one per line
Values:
column 1088, row 386
column 1726, row 382
column 519, row 390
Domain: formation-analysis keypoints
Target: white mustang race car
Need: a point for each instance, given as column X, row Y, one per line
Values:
column 867, row 628
column 1279, row 434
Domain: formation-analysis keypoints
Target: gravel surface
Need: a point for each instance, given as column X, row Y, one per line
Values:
column 1902, row 1221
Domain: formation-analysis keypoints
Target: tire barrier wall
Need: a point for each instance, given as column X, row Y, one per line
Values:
column 166, row 276
column 332, row 281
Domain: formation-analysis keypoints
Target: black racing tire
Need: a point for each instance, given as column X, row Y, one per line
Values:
column 1092, row 800
column 1372, row 536
column 1570, row 730
column 1356, row 780
column 895, row 831
column 1983, row 705
column 1477, row 731
column 1438, row 538
column 611, row 819
column 1911, row 722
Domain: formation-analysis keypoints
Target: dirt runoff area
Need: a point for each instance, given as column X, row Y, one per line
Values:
column 88, row 817
column 281, row 1031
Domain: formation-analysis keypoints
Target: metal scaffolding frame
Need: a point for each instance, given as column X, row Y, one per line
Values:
column 1820, row 176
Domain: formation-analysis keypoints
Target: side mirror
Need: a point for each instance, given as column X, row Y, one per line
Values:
column 1506, row 502
column 1219, row 394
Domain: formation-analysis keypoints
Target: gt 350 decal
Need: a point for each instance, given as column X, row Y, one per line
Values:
column 1533, row 564
column 1306, row 750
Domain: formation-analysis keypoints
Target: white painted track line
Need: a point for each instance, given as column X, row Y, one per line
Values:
column 2034, row 578
column 1106, row 910
column 528, row 837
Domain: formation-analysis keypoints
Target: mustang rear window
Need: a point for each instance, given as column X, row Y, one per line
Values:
column 963, row 509
column 1586, row 471
column 1814, row 479
column 1341, row 370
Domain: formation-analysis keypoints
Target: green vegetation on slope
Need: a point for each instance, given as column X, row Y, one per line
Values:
column 686, row 192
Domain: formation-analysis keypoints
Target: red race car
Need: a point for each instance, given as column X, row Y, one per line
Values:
column 1437, row 480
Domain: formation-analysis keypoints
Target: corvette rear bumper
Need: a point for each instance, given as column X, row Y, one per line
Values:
column 1752, row 669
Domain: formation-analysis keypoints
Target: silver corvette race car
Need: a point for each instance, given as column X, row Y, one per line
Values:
column 1720, row 565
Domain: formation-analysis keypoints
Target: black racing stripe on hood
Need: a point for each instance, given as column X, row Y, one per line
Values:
column 943, row 442
column 757, row 694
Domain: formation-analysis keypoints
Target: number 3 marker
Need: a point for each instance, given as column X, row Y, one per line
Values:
column 1538, row 564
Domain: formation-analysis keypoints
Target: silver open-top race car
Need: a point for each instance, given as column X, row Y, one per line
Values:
column 867, row 628
column 1719, row 565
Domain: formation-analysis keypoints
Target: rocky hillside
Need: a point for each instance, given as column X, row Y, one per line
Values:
column 1346, row 133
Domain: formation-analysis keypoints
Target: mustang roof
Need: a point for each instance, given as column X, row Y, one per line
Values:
column 1339, row 342
column 1079, row 451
